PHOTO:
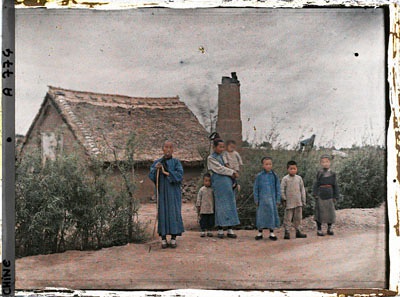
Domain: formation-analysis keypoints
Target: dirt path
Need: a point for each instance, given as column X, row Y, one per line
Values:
column 354, row 257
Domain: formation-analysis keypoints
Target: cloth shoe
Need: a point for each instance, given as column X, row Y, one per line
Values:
column 330, row 232
column 287, row 234
column 230, row 234
column 173, row 243
column 209, row 234
column 164, row 244
column 300, row 235
column 320, row 233
column 202, row 234
column 259, row 237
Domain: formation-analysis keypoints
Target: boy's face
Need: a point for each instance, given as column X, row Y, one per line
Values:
column 292, row 170
column 207, row 182
column 220, row 148
column 231, row 147
column 267, row 165
column 168, row 149
column 325, row 163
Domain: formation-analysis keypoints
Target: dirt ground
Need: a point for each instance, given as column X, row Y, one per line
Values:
column 353, row 258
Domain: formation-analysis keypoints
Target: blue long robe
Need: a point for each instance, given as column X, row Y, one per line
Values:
column 267, row 193
column 224, row 198
column 170, row 197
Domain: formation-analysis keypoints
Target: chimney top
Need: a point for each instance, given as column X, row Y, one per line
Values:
column 230, row 80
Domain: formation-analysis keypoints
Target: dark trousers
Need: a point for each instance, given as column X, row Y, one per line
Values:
column 206, row 221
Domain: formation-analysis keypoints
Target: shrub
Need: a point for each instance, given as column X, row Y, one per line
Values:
column 65, row 204
column 362, row 178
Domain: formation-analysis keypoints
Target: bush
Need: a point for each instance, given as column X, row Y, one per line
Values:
column 65, row 204
column 361, row 177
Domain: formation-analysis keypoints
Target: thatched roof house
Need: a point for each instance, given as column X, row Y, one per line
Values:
column 102, row 123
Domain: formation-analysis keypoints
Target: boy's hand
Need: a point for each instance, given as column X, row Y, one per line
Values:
column 284, row 203
column 235, row 175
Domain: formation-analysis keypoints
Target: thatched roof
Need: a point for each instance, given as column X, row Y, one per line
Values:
column 102, row 123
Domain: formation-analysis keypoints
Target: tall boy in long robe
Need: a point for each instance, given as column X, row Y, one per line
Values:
column 170, row 174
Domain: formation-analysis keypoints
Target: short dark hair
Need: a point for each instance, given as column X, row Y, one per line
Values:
column 265, row 158
column 206, row 175
column 291, row 163
column 230, row 141
column 217, row 141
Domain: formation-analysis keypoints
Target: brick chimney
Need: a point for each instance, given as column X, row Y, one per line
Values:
column 229, row 123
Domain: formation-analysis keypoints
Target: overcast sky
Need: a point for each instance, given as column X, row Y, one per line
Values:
column 302, row 71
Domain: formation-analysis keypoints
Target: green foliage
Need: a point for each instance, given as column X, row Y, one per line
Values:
column 69, row 204
column 361, row 177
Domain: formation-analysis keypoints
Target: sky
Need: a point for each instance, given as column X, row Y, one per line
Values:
column 302, row 71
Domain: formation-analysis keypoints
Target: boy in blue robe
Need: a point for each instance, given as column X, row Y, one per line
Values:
column 170, row 174
column 267, row 196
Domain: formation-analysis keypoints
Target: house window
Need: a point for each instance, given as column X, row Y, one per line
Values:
column 50, row 145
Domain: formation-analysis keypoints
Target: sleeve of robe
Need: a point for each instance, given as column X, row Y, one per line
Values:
column 278, row 189
column 256, row 190
column 176, row 173
column 303, row 192
column 216, row 167
column 239, row 158
column 199, row 197
column 153, row 171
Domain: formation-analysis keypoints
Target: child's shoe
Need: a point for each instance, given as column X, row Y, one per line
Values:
column 320, row 233
column 164, row 244
column 234, row 186
column 300, row 235
column 202, row 234
column 273, row 237
column 220, row 234
column 259, row 237
column 173, row 243
column 230, row 234
column 287, row 234
column 330, row 232
column 209, row 234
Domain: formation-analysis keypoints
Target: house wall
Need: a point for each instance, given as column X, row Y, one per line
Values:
column 50, row 121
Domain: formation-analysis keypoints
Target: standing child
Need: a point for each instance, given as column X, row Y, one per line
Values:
column 293, row 199
column 267, row 196
column 232, row 160
column 205, row 206
column 325, row 191
column 167, row 174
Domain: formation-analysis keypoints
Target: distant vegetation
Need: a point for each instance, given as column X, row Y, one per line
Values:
column 361, row 176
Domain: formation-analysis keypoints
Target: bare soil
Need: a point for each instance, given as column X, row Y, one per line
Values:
column 354, row 257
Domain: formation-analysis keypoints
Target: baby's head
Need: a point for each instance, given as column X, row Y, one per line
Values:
column 325, row 161
column 207, row 180
column 292, row 168
column 230, row 145
column 267, row 163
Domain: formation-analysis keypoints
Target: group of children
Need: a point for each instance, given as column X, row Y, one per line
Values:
column 216, row 200
column 269, row 192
